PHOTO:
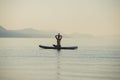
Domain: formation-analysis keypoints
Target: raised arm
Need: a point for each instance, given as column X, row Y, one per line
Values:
column 60, row 36
column 56, row 36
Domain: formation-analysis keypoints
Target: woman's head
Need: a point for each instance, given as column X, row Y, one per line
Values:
column 58, row 33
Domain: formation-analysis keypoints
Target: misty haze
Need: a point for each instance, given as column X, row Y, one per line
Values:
column 59, row 39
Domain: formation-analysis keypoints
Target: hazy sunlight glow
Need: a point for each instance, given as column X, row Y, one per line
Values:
column 97, row 17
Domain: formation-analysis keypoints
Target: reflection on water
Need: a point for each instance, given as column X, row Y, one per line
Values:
column 58, row 65
column 29, row 62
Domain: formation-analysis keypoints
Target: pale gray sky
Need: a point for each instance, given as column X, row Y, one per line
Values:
column 97, row 17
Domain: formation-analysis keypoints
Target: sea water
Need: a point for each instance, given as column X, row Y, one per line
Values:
column 95, row 59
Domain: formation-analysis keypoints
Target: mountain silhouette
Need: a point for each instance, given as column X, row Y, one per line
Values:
column 28, row 32
column 33, row 33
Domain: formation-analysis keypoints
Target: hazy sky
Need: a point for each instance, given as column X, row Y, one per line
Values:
column 97, row 17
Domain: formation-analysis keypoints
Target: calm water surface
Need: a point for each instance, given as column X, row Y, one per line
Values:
column 95, row 59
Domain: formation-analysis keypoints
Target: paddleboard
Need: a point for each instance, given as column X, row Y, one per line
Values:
column 52, row 47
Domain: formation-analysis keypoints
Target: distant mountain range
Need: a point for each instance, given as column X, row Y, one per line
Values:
column 32, row 33
column 25, row 33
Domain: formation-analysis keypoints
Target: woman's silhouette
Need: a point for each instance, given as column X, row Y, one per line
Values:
column 58, row 38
